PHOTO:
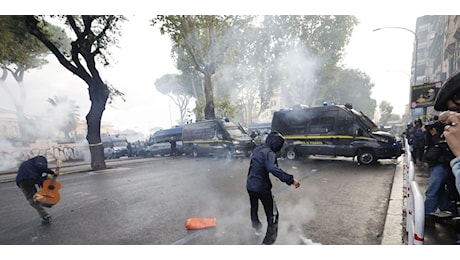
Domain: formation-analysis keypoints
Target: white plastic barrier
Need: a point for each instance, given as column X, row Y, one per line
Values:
column 408, row 175
column 409, row 197
column 416, row 226
column 415, row 211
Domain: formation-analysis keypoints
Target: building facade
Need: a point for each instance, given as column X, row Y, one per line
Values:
column 436, row 53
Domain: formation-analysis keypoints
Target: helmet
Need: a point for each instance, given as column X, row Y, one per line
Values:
column 275, row 141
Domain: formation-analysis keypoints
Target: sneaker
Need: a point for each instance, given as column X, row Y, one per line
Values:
column 258, row 228
column 443, row 214
column 46, row 219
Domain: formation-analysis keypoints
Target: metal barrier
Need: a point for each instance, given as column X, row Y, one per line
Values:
column 415, row 211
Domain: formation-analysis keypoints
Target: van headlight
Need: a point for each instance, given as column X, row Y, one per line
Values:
column 396, row 144
column 235, row 142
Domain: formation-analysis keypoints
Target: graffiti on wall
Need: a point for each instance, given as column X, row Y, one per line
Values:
column 11, row 157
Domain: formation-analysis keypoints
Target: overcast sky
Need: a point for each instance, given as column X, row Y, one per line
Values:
column 144, row 56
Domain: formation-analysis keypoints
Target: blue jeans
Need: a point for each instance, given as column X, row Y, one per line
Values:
column 436, row 195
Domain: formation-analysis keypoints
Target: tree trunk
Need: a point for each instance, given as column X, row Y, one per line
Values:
column 209, row 112
column 99, row 93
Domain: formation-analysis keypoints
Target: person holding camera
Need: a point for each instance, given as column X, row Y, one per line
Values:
column 437, row 156
column 452, row 136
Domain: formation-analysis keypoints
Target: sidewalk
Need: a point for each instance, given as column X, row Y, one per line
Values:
column 78, row 166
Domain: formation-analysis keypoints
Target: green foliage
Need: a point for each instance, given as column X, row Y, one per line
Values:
column 258, row 55
column 224, row 108
column 19, row 50
column 201, row 42
column 352, row 86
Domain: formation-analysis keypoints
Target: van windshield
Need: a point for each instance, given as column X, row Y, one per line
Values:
column 234, row 130
column 120, row 143
column 369, row 124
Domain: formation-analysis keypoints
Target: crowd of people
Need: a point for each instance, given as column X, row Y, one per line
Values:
column 435, row 144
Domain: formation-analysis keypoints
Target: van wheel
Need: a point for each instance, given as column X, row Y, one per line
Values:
column 291, row 154
column 366, row 157
column 194, row 153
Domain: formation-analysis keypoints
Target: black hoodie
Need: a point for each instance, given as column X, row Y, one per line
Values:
column 263, row 162
column 33, row 169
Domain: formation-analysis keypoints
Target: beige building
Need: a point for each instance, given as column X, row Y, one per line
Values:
column 9, row 128
column 436, row 53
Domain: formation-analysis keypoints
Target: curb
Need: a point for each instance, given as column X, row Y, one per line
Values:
column 393, row 228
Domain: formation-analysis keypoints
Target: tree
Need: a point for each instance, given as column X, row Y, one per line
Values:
column 224, row 108
column 313, row 46
column 93, row 36
column 174, row 87
column 385, row 111
column 353, row 86
column 19, row 52
column 206, row 39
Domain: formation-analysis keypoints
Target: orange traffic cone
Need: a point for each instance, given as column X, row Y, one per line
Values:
column 198, row 223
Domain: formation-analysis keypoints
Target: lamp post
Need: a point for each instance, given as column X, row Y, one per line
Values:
column 416, row 47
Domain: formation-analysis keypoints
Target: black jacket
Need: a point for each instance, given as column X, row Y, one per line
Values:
column 263, row 162
column 33, row 169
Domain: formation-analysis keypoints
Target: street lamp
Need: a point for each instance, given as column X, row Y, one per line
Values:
column 416, row 47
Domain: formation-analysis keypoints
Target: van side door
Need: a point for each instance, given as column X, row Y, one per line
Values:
column 321, row 131
column 347, row 129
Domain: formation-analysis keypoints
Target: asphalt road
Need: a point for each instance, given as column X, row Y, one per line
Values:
column 146, row 202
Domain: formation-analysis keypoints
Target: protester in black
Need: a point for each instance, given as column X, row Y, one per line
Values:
column 259, row 186
column 417, row 141
column 172, row 141
column 30, row 174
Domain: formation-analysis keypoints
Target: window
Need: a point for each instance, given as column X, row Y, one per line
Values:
column 322, row 125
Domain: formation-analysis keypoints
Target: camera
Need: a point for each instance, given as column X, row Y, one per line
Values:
column 435, row 125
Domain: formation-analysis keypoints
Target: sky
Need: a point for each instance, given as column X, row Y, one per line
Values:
column 144, row 56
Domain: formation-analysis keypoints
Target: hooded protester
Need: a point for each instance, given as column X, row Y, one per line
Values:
column 30, row 174
column 259, row 185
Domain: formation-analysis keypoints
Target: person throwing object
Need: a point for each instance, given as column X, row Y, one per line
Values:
column 259, row 186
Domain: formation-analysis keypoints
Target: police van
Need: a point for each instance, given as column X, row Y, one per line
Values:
column 217, row 137
column 335, row 130
column 159, row 142
column 115, row 146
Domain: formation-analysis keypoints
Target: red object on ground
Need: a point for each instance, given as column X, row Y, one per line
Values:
column 198, row 223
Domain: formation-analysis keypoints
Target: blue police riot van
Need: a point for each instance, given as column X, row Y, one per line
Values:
column 218, row 137
column 335, row 130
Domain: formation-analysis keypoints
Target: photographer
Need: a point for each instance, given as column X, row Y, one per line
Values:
column 437, row 156
column 452, row 135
